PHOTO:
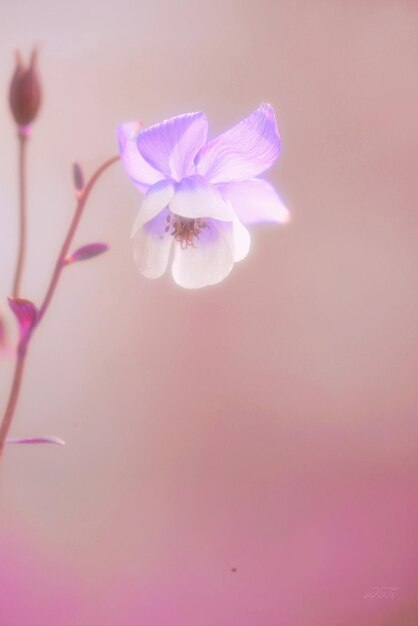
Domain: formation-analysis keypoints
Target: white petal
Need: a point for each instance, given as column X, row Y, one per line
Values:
column 255, row 201
column 155, row 200
column 195, row 197
column 242, row 241
column 209, row 262
column 152, row 246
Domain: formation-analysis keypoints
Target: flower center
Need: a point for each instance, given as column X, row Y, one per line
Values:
column 185, row 229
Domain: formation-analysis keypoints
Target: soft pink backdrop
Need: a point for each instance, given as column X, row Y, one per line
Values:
column 267, row 425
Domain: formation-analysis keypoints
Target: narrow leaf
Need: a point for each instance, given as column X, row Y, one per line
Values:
column 54, row 440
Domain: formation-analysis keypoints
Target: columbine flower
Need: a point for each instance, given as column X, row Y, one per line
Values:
column 199, row 194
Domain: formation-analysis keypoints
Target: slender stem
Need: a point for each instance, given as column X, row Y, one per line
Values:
column 60, row 264
column 23, row 140
column 13, row 397
column 71, row 231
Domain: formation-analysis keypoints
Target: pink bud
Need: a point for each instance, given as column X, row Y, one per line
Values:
column 25, row 91
column 26, row 314
column 78, row 177
column 86, row 252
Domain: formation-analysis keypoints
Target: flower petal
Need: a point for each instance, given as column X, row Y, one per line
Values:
column 244, row 151
column 152, row 246
column 195, row 197
column 255, row 202
column 141, row 173
column 155, row 200
column 209, row 262
column 171, row 146
column 242, row 241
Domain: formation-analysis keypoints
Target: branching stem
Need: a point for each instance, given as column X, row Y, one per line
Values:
column 60, row 264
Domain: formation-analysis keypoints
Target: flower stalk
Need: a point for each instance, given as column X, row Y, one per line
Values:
column 25, row 337
column 23, row 137
column 25, row 97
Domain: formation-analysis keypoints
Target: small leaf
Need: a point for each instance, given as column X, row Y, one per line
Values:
column 54, row 440
column 86, row 252
column 26, row 314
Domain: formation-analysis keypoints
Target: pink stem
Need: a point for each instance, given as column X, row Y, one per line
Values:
column 23, row 139
column 13, row 397
column 60, row 264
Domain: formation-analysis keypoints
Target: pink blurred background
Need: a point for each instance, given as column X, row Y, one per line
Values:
column 243, row 455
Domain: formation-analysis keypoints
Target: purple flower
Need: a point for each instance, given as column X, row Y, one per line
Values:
column 199, row 194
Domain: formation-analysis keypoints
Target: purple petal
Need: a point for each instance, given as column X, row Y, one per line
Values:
column 18, row 440
column 195, row 197
column 156, row 199
column 171, row 146
column 152, row 246
column 140, row 172
column 255, row 202
column 209, row 261
column 244, row 151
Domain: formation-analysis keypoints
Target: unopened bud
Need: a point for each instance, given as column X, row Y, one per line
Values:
column 86, row 252
column 78, row 177
column 25, row 91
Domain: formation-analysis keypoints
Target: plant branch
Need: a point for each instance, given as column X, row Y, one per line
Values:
column 60, row 264
column 23, row 141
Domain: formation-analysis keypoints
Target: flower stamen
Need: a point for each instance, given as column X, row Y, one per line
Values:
column 186, row 230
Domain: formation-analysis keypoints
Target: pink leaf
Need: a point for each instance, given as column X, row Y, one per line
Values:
column 54, row 440
column 26, row 314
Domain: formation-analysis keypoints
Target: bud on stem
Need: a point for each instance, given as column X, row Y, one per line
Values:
column 88, row 251
column 25, row 91
column 78, row 178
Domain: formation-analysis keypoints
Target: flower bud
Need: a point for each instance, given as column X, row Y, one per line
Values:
column 78, row 178
column 25, row 91
column 86, row 252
